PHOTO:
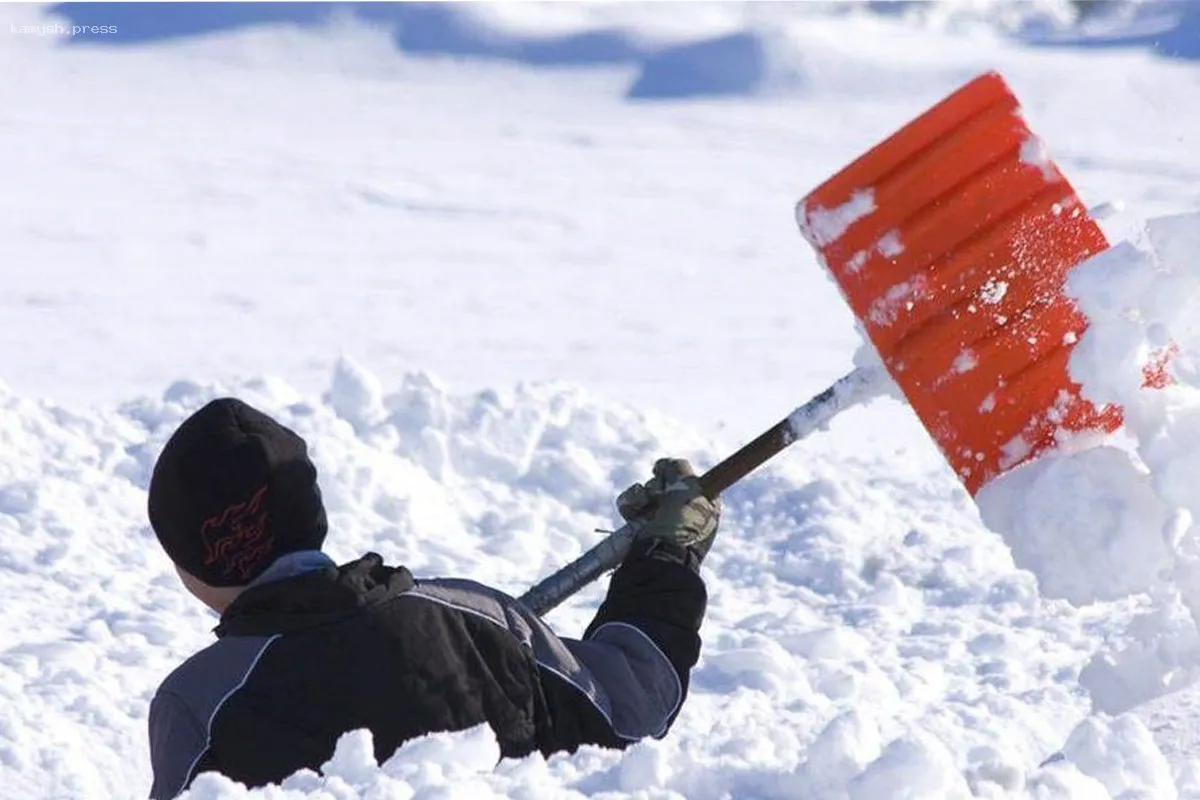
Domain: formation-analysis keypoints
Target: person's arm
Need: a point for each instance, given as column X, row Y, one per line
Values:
column 663, row 600
column 645, row 638
column 658, row 588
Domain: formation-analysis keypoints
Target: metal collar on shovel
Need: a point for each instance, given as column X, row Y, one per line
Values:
column 951, row 241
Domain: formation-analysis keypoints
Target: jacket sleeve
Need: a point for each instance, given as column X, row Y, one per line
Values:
column 663, row 601
column 177, row 742
column 638, row 652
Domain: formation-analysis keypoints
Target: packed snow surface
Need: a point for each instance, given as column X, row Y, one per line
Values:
column 491, row 295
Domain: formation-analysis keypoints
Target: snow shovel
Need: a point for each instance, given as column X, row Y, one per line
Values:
column 951, row 241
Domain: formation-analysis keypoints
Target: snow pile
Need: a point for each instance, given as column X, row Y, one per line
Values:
column 1102, row 759
column 1116, row 518
column 1089, row 525
column 858, row 644
column 451, row 766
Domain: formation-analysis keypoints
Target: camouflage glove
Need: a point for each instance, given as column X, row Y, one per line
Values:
column 676, row 521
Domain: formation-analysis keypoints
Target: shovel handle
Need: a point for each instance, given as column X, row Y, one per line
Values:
column 859, row 386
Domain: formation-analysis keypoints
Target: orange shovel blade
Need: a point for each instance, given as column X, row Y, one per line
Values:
column 951, row 241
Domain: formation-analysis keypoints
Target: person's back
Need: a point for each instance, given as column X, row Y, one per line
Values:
column 308, row 650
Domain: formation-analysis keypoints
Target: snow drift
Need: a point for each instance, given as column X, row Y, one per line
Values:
column 733, row 49
column 857, row 645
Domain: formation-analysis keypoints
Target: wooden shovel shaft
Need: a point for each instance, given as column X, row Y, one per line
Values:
column 859, row 386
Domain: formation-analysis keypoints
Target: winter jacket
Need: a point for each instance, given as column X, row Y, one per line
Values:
column 300, row 660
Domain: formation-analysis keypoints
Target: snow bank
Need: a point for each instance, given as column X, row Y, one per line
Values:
column 736, row 64
column 707, row 52
column 703, row 52
column 699, row 50
column 859, row 644
column 451, row 766
column 1104, row 758
column 1165, row 27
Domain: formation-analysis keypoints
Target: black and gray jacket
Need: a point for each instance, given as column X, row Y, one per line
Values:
column 301, row 660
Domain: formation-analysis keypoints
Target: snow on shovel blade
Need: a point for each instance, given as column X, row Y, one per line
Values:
column 951, row 241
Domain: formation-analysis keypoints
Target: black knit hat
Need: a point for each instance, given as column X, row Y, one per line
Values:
column 231, row 492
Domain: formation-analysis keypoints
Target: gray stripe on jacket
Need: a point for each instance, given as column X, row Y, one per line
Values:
column 183, row 710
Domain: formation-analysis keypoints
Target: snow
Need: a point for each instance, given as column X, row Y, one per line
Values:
column 890, row 245
column 735, row 64
column 1089, row 525
column 490, row 288
column 1119, row 503
column 965, row 361
column 884, row 310
column 993, row 291
column 823, row 226
column 1113, row 518
column 1035, row 153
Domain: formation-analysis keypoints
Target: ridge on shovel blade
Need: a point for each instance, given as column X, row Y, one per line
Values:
column 951, row 241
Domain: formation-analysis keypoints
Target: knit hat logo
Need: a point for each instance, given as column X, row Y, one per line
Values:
column 236, row 540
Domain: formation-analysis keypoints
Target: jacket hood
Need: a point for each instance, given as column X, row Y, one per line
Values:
column 312, row 599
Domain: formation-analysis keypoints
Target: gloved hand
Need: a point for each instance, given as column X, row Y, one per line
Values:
column 676, row 521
